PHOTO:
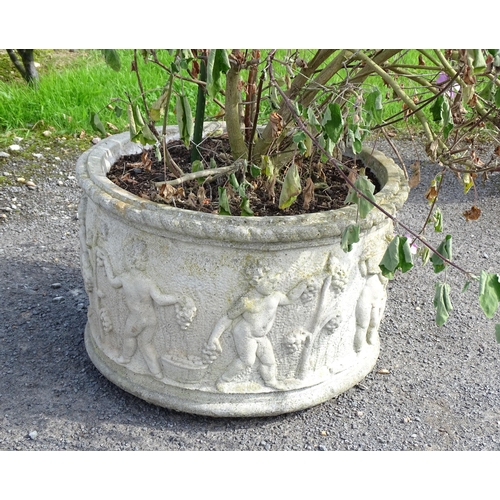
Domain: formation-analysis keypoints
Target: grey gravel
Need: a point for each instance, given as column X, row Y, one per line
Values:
column 442, row 391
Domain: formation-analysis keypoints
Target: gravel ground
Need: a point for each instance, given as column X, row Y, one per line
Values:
column 441, row 392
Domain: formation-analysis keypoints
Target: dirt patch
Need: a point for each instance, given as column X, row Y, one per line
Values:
column 138, row 174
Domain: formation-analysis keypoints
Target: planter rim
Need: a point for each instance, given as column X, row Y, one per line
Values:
column 94, row 164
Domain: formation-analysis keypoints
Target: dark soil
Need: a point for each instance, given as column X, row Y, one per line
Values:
column 138, row 174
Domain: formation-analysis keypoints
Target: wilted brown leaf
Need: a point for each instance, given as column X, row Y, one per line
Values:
column 473, row 100
column 431, row 194
column 472, row 214
column 469, row 77
column 82, row 134
column 112, row 126
column 195, row 70
column 431, row 149
column 308, row 193
column 497, row 151
column 489, row 63
column 476, row 159
column 191, row 201
column 126, row 178
column 415, row 175
column 353, row 175
column 167, row 192
column 300, row 63
column 146, row 161
column 421, row 61
column 201, row 195
column 276, row 124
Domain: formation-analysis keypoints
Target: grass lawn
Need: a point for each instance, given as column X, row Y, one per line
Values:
column 74, row 84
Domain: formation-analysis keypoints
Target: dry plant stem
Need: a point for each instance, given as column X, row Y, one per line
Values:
column 249, row 108
column 208, row 173
column 167, row 159
column 143, row 96
column 433, row 202
column 256, row 116
column 236, row 139
column 395, row 149
column 316, row 143
column 173, row 167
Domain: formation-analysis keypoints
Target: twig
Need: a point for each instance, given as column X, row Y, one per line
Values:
column 211, row 172
column 395, row 149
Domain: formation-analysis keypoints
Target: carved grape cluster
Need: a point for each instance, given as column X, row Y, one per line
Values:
column 310, row 291
column 107, row 326
column 296, row 340
column 185, row 311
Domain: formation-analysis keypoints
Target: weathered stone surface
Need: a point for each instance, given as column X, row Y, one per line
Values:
column 229, row 316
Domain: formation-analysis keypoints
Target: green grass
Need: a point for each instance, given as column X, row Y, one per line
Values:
column 81, row 83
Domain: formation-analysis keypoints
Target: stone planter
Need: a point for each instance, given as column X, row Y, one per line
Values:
column 229, row 316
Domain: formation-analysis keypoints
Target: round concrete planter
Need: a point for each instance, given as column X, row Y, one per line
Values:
column 229, row 316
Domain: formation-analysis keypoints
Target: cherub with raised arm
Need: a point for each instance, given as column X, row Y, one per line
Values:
column 140, row 293
column 251, row 319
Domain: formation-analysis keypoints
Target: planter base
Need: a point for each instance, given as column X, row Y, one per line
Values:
column 257, row 403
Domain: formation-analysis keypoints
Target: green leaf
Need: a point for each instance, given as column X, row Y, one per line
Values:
column 333, row 124
column 196, row 166
column 299, row 137
column 313, row 120
column 497, row 98
column 442, row 303
column 350, row 235
column 96, row 123
column 373, row 105
column 184, row 119
column 366, row 187
column 157, row 106
column 405, row 255
column 437, row 109
column 438, row 220
column 479, row 63
column 146, row 136
column 112, row 58
column 425, row 254
column 291, row 187
column 397, row 256
column 223, row 202
column 466, row 286
column 217, row 64
column 267, row 166
column 489, row 293
column 497, row 332
column 255, row 171
column 246, row 211
column 118, row 111
column 158, row 153
column 445, row 250
column 468, row 182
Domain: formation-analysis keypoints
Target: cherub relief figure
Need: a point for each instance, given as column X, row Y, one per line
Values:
column 140, row 293
column 250, row 320
column 371, row 302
